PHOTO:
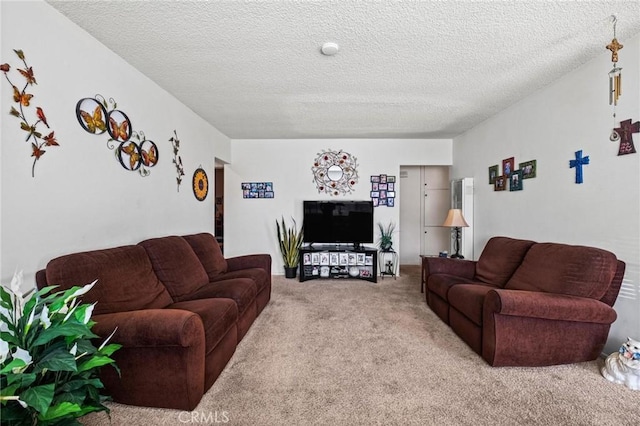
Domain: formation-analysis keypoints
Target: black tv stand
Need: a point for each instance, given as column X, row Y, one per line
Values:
column 335, row 261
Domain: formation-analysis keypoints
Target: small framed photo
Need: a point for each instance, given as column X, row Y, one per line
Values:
column 245, row 186
column 382, row 201
column 493, row 174
column 375, row 179
column 383, row 194
column 324, row 258
column 268, row 194
column 515, row 181
column 344, row 259
column 391, row 186
column 500, row 184
column 375, row 194
column 368, row 259
column 528, row 169
column 376, row 202
column 375, row 186
column 352, row 259
column 391, row 202
column 315, row 258
column 360, row 258
column 508, row 165
column 383, row 178
column 333, row 259
column 391, row 194
column 391, row 179
column 382, row 187
column 306, row 259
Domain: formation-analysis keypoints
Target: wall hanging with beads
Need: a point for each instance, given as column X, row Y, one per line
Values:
column 132, row 149
column 200, row 184
column 335, row 172
column 383, row 190
column 28, row 123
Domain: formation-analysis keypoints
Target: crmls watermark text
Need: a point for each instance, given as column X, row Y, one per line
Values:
column 204, row 417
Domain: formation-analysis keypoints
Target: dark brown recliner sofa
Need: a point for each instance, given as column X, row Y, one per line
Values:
column 528, row 304
column 180, row 309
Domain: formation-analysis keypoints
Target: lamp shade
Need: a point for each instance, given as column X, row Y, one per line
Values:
column 455, row 219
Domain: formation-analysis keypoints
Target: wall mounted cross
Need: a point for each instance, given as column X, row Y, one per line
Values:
column 626, row 131
column 578, row 163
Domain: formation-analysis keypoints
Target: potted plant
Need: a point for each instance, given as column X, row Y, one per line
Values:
column 48, row 363
column 386, row 236
column 290, row 240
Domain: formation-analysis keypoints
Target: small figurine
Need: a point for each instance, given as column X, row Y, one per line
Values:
column 624, row 366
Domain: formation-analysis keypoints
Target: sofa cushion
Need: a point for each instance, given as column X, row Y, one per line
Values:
column 500, row 258
column 258, row 275
column 218, row 316
column 176, row 264
column 126, row 280
column 240, row 290
column 208, row 251
column 565, row 269
column 468, row 299
column 441, row 283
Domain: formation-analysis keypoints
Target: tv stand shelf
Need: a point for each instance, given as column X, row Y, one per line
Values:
column 335, row 261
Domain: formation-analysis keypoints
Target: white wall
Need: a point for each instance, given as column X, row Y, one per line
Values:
column 250, row 223
column 81, row 198
column 549, row 126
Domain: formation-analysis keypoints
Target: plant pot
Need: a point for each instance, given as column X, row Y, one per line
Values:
column 290, row 272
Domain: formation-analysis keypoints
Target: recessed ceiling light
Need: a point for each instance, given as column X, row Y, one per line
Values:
column 329, row 48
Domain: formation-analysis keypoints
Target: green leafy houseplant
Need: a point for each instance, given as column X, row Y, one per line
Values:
column 290, row 240
column 48, row 364
column 386, row 236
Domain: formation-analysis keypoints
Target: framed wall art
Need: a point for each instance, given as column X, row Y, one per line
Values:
column 500, row 183
column 515, row 181
column 508, row 166
column 383, row 190
column 493, row 174
column 257, row 190
column 529, row 169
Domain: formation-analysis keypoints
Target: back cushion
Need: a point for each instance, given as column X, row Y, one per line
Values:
column 208, row 251
column 500, row 259
column 177, row 266
column 126, row 281
column 565, row 269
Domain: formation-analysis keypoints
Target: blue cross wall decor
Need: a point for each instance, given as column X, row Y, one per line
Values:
column 577, row 163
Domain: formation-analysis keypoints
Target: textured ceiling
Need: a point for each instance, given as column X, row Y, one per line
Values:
column 405, row 69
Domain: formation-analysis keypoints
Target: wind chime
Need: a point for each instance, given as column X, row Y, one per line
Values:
column 615, row 77
column 623, row 133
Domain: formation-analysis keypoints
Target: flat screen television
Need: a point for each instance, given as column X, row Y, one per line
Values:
column 333, row 222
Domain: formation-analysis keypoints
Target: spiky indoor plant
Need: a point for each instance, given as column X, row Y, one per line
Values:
column 290, row 240
column 48, row 364
column 385, row 241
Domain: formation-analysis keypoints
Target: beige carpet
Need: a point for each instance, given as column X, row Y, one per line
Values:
column 349, row 352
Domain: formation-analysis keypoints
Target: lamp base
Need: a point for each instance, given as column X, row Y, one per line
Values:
column 457, row 256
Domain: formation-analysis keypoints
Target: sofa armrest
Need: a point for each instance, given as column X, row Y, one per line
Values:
column 549, row 306
column 151, row 328
column 262, row 261
column 445, row 265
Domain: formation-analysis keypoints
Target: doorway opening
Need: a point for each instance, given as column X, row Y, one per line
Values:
column 219, row 203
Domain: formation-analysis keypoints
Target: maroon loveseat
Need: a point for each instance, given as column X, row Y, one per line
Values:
column 525, row 303
column 180, row 309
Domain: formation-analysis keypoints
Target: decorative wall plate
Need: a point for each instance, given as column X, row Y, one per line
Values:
column 200, row 184
column 129, row 156
column 119, row 125
column 335, row 172
column 91, row 115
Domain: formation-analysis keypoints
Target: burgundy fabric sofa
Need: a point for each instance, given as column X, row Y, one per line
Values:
column 524, row 303
column 180, row 309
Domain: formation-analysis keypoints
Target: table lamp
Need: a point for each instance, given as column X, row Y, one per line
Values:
column 456, row 221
